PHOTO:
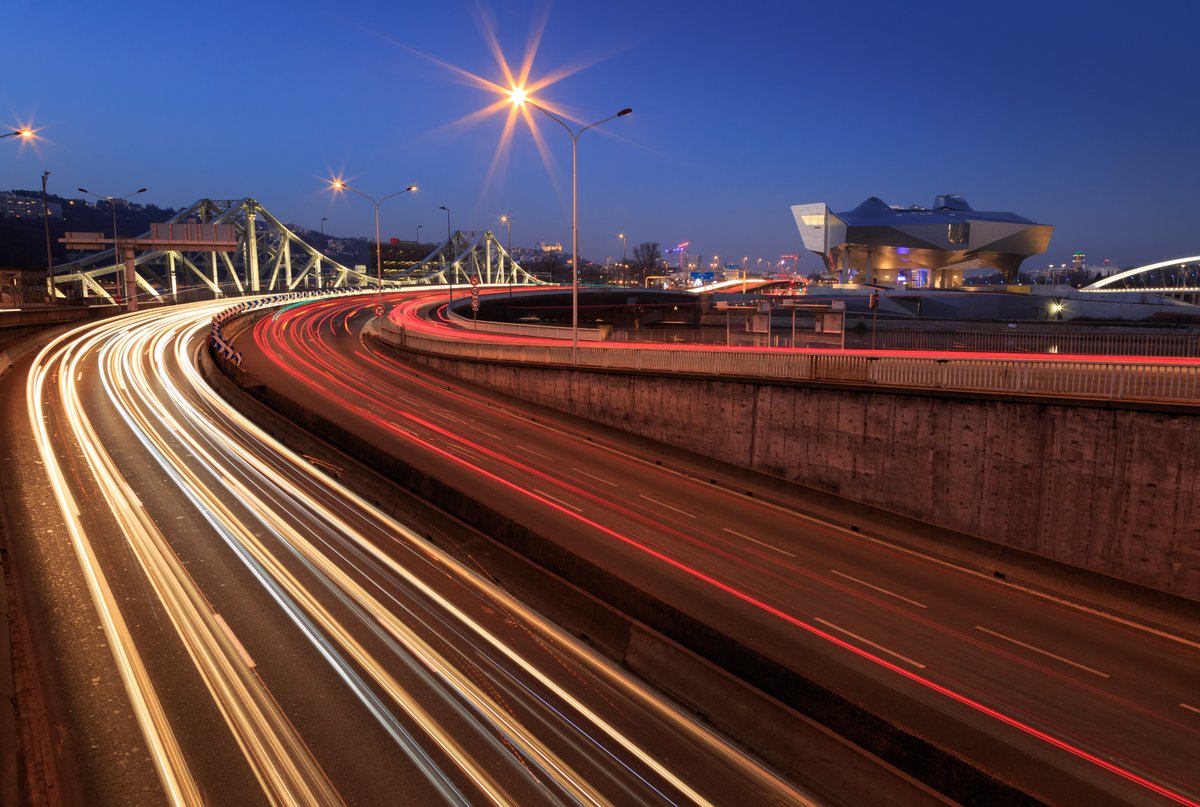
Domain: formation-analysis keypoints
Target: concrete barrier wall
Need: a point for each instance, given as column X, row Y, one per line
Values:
column 50, row 316
column 1106, row 489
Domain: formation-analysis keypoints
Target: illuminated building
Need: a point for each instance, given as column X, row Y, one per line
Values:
column 880, row 243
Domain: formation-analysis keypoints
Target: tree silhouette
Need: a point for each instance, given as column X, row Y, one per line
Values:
column 645, row 260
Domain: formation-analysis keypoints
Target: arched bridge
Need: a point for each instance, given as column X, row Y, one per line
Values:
column 1179, row 278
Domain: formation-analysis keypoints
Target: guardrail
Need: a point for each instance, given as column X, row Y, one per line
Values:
column 223, row 349
column 518, row 328
column 1129, row 381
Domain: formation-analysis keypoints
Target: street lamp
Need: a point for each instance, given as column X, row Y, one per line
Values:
column 24, row 134
column 49, row 254
column 624, row 261
column 505, row 219
column 339, row 185
column 130, row 286
column 518, row 96
column 443, row 207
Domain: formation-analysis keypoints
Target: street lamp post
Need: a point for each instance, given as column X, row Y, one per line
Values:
column 49, row 254
column 518, row 98
column 624, row 259
column 124, row 278
column 506, row 220
column 338, row 185
column 443, row 207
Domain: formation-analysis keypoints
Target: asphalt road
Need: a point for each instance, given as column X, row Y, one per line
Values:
column 279, row 640
column 1061, row 697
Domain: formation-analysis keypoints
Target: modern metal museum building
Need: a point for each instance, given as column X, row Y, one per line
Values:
column 916, row 246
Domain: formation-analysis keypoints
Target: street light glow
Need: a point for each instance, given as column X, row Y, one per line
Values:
column 337, row 184
column 22, row 133
column 517, row 94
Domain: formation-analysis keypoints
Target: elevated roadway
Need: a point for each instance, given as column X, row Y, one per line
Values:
column 1067, row 699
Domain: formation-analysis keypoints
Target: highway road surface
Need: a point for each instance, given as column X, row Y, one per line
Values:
column 276, row 639
column 1069, row 700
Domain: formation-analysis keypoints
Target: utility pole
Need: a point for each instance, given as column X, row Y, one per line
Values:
column 49, row 254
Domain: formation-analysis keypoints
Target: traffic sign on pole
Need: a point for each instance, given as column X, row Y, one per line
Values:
column 379, row 310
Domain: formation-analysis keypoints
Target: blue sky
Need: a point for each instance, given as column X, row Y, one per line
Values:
column 1083, row 115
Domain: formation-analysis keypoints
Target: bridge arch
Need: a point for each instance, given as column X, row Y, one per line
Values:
column 1117, row 281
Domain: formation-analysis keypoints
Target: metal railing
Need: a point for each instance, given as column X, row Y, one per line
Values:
column 1086, row 343
column 1081, row 378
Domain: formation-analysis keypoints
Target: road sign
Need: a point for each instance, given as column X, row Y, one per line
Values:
column 379, row 310
column 474, row 303
column 474, row 280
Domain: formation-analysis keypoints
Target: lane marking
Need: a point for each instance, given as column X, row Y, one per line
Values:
column 534, row 453
column 756, row 541
column 664, row 504
column 1191, row 708
column 1043, row 652
column 597, row 478
column 557, row 500
column 869, row 642
column 879, row 589
column 892, row 544
column 236, row 642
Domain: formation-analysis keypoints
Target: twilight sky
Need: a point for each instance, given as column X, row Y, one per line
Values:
column 1083, row 115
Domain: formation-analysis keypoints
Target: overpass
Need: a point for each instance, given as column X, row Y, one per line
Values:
column 740, row 566
column 980, row 432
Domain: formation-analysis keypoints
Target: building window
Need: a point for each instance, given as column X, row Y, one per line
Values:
column 958, row 233
column 813, row 221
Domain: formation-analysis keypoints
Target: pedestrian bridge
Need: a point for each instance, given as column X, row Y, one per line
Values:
column 1179, row 278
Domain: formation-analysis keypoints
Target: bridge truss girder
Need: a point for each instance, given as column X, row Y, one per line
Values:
column 466, row 255
column 271, row 258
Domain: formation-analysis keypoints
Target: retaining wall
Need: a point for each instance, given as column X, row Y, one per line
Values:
column 768, row 705
column 1106, row 488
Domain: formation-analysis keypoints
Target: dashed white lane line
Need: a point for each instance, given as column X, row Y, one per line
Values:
column 756, row 541
column 531, row 451
column 1191, row 708
column 597, row 478
column 880, row 589
column 557, row 500
column 1046, row 653
column 664, row 504
column 879, row 647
